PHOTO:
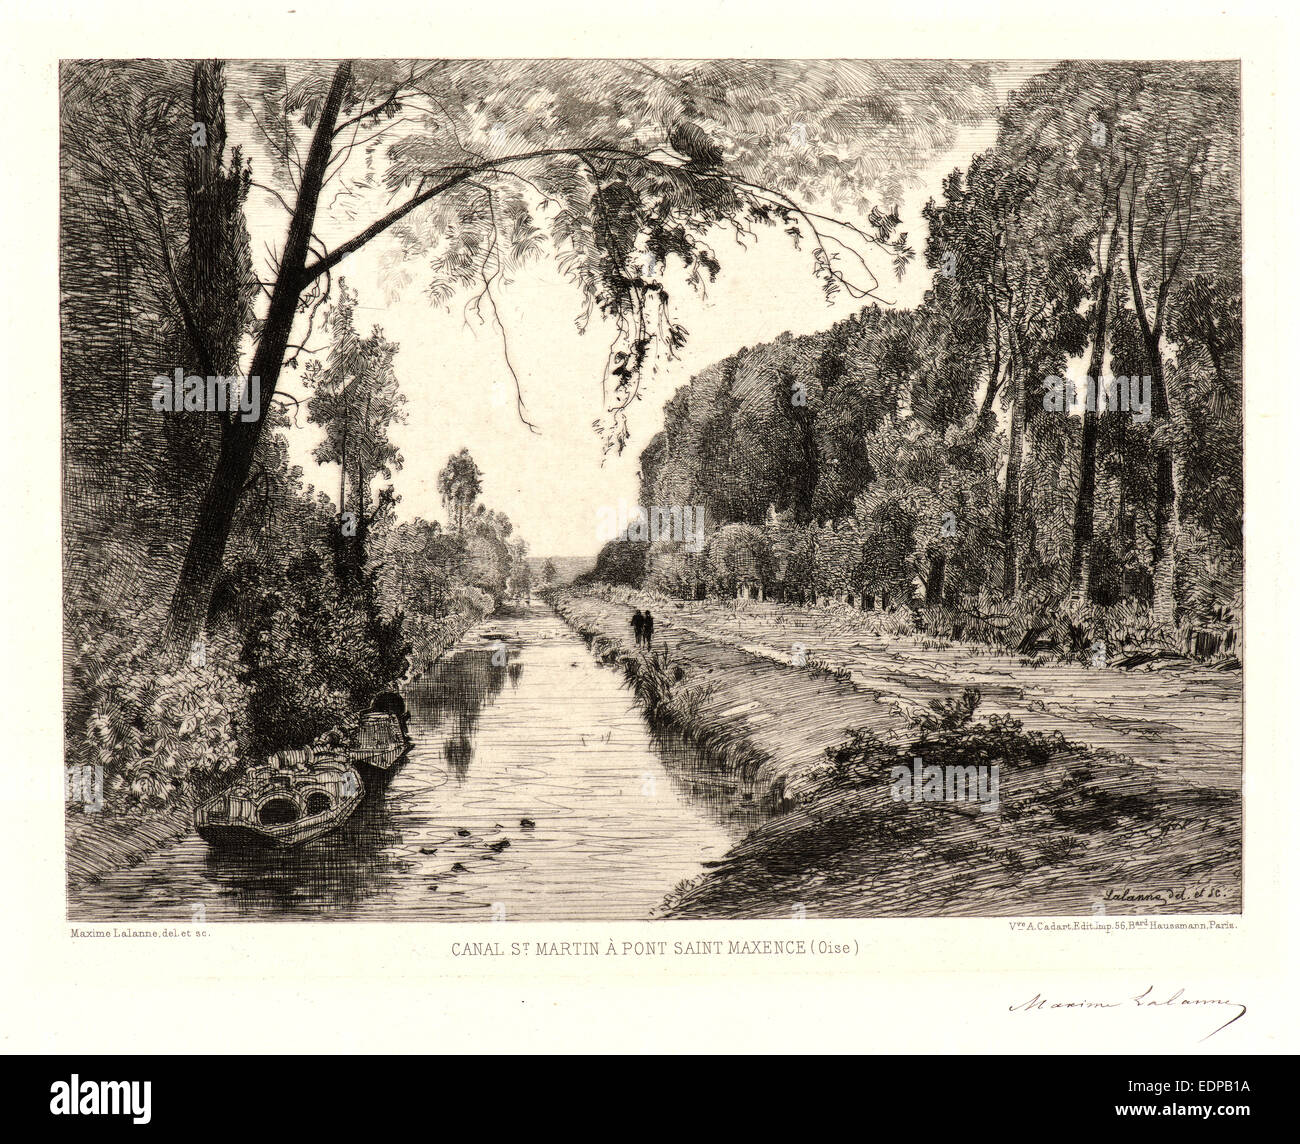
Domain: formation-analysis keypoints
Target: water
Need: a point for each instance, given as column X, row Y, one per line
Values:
column 621, row 813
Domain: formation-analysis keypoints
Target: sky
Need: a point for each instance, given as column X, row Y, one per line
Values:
column 558, row 485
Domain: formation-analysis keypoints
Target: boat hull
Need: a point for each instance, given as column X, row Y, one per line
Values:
column 376, row 763
column 277, row 807
column 255, row 835
column 379, row 743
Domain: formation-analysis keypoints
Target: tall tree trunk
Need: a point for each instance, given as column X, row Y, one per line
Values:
column 1164, row 550
column 363, row 522
column 207, row 545
column 934, row 580
column 1126, row 521
column 1164, row 554
column 1081, row 556
column 1164, row 558
column 995, row 366
column 343, row 462
column 1011, row 489
column 215, row 280
column 363, row 495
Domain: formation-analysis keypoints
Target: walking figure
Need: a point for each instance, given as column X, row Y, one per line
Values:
column 648, row 627
column 638, row 626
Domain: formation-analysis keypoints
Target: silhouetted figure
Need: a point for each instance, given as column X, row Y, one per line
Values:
column 648, row 627
column 638, row 626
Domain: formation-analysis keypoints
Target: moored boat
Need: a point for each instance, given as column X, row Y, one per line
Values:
column 379, row 742
column 293, row 797
column 392, row 703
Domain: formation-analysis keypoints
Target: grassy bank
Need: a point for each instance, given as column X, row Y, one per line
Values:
column 1077, row 830
column 99, row 843
column 767, row 720
column 1181, row 717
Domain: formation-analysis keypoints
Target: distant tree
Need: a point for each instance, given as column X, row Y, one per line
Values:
column 620, row 562
column 459, row 484
column 356, row 400
column 521, row 576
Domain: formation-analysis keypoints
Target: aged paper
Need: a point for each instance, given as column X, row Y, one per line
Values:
column 745, row 544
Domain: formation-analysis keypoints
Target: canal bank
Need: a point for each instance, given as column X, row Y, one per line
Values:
column 93, row 848
column 1077, row 829
column 768, row 721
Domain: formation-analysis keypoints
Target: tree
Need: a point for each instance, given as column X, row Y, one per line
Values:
column 1069, row 116
column 627, row 165
column 1178, row 213
column 1014, row 257
column 521, row 576
column 619, row 562
column 356, row 399
column 1112, row 194
column 459, row 485
column 739, row 557
column 930, row 512
column 491, row 558
column 155, row 271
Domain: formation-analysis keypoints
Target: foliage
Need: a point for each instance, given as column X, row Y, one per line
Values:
column 356, row 399
column 459, row 485
column 737, row 555
column 161, row 731
column 912, row 456
column 313, row 654
column 618, row 562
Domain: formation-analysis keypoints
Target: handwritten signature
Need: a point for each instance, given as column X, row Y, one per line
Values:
column 1147, row 999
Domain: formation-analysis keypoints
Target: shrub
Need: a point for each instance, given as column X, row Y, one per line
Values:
column 315, row 652
column 161, row 730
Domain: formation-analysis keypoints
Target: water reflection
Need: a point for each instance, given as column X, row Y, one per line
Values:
column 735, row 801
column 459, row 688
column 548, row 799
column 335, row 872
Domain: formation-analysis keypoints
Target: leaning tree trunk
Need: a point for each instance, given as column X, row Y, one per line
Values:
column 207, row 545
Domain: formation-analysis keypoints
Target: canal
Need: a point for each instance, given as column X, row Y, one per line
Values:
column 534, row 790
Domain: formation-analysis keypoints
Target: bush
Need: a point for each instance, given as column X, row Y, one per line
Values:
column 618, row 562
column 947, row 735
column 429, row 638
column 161, row 730
column 315, row 652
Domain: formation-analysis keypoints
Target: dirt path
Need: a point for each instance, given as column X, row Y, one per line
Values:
column 1185, row 720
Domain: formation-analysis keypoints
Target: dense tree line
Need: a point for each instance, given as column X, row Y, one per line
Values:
column 923, row 456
